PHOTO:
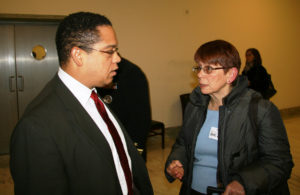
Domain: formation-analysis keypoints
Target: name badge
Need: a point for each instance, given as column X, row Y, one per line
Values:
column 213, row 133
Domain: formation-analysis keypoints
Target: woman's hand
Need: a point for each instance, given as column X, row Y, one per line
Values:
column 175, row 169
column 234, row 188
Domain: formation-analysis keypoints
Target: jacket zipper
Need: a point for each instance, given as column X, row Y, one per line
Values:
column 222, row 173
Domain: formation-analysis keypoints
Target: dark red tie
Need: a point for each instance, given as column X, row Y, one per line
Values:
column 117, row 140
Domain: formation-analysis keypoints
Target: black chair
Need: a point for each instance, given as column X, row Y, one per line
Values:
column 157, row 125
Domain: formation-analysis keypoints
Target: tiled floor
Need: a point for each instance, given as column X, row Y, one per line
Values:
column 6, row 183
column 157, row 156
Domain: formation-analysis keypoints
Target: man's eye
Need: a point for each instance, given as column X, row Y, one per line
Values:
column 110, row 52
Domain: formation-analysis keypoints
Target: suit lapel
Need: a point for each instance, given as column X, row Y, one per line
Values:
column 81, row 118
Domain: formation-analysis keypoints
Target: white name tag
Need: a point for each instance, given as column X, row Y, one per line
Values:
column 213, row 133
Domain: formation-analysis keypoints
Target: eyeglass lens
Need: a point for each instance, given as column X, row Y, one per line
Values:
column 206, row 69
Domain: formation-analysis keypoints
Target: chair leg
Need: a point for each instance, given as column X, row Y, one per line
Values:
column 156, row 125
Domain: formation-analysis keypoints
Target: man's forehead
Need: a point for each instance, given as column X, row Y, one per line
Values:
column 107, row 36
column 105, row 30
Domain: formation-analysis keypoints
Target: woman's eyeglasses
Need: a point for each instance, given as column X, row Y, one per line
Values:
column 206, row 69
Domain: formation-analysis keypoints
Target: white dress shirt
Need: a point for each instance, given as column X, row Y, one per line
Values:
column 83, row 95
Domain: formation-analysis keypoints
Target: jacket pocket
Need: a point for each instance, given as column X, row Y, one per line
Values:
column 238, row 158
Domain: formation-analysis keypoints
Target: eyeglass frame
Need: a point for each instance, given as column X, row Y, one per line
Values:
column 109, row 52
column 208, row 70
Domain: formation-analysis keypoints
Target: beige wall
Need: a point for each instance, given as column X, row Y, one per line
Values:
column 161, row 36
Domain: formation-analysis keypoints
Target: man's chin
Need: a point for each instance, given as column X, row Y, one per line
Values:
column 108, row 82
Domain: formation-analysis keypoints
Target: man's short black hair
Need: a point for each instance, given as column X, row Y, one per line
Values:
column 78, row 29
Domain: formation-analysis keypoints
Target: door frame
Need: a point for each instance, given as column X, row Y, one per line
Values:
column 30, row 18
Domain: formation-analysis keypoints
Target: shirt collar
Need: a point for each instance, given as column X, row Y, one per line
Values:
column 80, row 91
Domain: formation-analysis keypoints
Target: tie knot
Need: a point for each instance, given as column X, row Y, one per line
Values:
column 94, row 96
column 99, row 104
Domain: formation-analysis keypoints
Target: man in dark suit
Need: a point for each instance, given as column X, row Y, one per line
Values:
column 64, row 144
column 128, row 97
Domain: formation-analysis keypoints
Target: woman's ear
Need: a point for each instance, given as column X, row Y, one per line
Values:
column 232, row 74
column 76, row 55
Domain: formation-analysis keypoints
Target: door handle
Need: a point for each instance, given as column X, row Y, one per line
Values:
column 21, row 84
column 10, row 81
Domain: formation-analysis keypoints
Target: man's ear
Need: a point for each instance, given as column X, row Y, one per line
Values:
column 232, row 74
column 77, row 55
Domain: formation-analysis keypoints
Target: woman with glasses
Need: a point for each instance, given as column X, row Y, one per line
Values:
column 231, row 137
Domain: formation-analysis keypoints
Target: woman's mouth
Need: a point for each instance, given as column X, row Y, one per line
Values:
column 202, row 85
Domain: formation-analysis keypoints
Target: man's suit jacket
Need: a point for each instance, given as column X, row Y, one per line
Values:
column 56, row 148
